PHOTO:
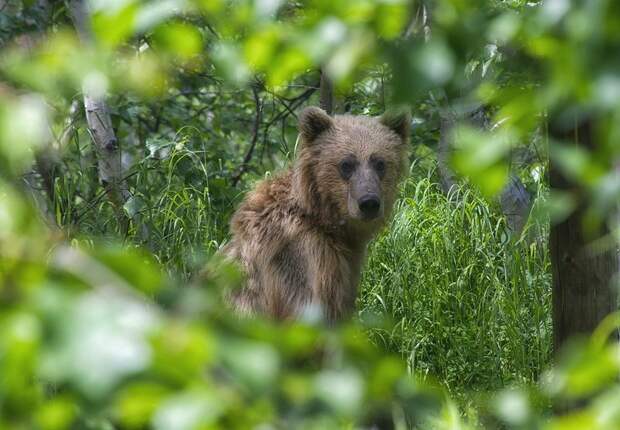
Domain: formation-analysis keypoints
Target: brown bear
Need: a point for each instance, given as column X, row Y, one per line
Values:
column 301, row 237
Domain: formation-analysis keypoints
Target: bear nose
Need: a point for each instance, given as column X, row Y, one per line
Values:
column 369, row 206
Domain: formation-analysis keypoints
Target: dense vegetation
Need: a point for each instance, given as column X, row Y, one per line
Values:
column 110, row 294
column 445, row 273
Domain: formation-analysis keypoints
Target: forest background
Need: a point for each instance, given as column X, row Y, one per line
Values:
column 129, row 131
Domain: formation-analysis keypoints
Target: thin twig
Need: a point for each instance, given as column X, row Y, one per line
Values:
column 248, row 156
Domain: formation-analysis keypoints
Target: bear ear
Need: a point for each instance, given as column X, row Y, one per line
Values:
column 312, row 122
column 398, row 120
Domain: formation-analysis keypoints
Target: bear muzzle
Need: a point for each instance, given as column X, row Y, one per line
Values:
column 369, row 206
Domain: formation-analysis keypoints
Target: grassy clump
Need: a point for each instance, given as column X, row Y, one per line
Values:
column 467, row 304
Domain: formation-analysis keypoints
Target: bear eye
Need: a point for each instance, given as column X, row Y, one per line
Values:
column 380, row 167
column 346, row 167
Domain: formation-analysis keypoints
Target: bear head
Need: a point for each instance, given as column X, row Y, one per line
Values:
column 349, row 166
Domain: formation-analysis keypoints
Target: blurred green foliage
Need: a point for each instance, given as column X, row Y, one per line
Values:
column 98, row 335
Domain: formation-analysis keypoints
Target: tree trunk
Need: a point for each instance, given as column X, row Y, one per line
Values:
column 582, row 275
column 516, row 204
column 101, row 130
column 326, row 94
column 447, row 178
column 514, row 199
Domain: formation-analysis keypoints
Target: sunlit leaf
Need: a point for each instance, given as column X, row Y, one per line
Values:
column 481, row 158
column 230, row 62
column 137, row 403
column 261, row 46
column 583, row 370
column 340, row 389
column 259, row 372
column 576, row 163
column 348, row 55
column 113, row 26
column 178, row 39
column 188, row 410
column 513, row 407
column 136, row 266
column 103, row 339
column 57, row 414
column 181, row 353
column 23, row 129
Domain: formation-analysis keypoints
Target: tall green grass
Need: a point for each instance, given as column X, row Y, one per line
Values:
column 185, row 208
column 180, row 207
column 468, row 305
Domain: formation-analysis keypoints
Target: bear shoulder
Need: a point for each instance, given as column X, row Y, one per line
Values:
column 265, row 206
column 275, row 191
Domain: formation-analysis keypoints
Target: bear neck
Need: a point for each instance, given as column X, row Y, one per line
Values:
column 323, row 215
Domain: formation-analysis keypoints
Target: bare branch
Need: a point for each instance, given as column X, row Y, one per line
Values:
column 248, row 156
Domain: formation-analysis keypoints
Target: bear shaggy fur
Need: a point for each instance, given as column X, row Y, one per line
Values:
column 301, row 237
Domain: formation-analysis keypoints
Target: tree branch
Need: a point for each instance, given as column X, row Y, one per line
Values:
column 248, row 156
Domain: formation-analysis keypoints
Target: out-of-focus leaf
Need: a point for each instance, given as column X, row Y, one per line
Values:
column 298, row 388
column 113, row 26
column 144, row 74
column 57, row 414
column 391, row 17
column 134, row 265
column 102, row 339
column 435, row 62
column 260, row 371
column 153, row 13
column 607, row 409
column 181, row 353
column 188, row 410
column 512, row 406
column 503, row 28
column 583, row 370
column 574, row 421
column 137, row 403
column 266, row 8
column 328, row 35
column 419, row 401
column 230, row 62
column 556, row 207
column 210, row 6
column 481, row 158
column 576, row 163
column 261, row 46
column 348, row 55
column 23, row 129
column 340, row 389
column 286, row 65
column 178, row 39
column 19, row 349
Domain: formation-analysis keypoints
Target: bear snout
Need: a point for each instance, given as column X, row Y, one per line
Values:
column 370, row 206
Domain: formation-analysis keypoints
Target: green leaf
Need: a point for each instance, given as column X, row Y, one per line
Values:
column 134, row 265
column 481, row 158
column 189, row 410
column 342, row 390
column 178, row 39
